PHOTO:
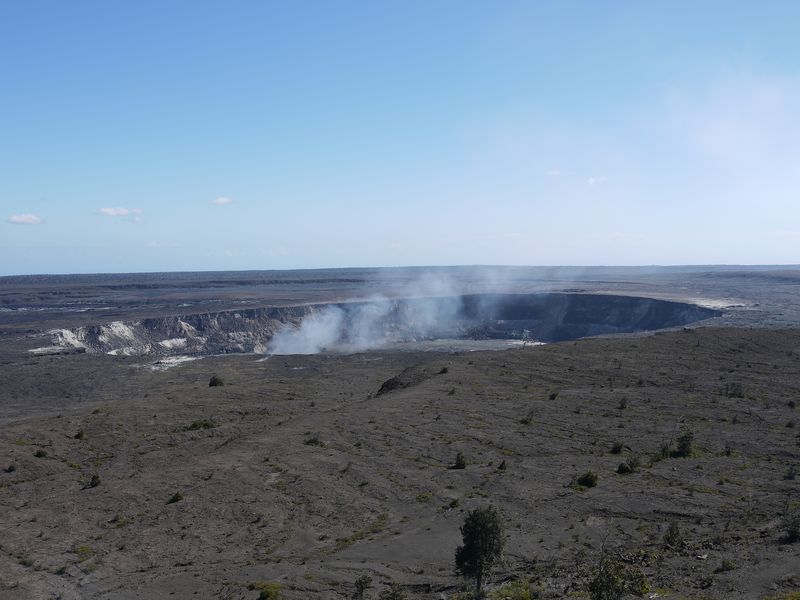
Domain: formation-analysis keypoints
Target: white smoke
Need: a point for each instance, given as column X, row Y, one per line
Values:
column 316, row 333
column 377, row 321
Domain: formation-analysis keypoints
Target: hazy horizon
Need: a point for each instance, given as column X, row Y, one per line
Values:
column 179, row 137
column 557, row 269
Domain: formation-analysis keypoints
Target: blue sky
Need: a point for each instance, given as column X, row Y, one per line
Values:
column 147, row 136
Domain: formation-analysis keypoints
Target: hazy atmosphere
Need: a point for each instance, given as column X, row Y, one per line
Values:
column 153, row 136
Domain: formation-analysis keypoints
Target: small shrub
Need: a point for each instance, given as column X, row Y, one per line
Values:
column 120, row 521
column 363, row 583
column 443, row 371
column 25, row 560
column 424, row 497
column 81, row 435
column 199, row 424
column 613, row 580
column 11, row 468
column 623, row 404
column 588, row 479
column 791, row 523
column 725, row 566
column 527, row 419
column 617, row 447
column 461, row 462
column 268, row 590
column 94, row 481
column 315, row 440
column 502, row 466
column 733, row 390
column 83, row 552
column 624, row 469
column 673, row 538
column 215, row 381
column 395, row 592
column 516, row 590
column 40, row 453
column 664, row 452
column 176, row 497
column 791, row 473
column 553, row 395
column 685, row 445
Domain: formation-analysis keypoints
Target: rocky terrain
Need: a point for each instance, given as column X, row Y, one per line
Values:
column 151, row 484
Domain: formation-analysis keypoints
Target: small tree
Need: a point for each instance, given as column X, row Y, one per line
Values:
column 461, row 462
column 482, row 534
column 685, row 445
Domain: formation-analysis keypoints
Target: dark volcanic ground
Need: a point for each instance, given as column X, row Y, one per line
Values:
column 298, row 472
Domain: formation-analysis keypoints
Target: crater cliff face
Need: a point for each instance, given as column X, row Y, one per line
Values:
column 355, row 326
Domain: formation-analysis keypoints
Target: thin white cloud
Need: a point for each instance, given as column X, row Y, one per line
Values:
column 25, row 219
column 597, row 180
column 554, row 172
column 222, row 201
column 119, row 211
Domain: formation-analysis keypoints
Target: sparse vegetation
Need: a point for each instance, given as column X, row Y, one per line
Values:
column 176, row 497
column 40, row 453
column 685, row 445
column 314, row 440
column 673, row 538
column 527, row 419
column 460, row 463
column 394, row 592
column 617, row 447
column 521, row 589
column 587, row 480
column 613, row 580
column 363, row 583
column 733, row 390
column 267, row 590
column 791, row 524
column 725, row 566
column 378, row 525
column 83, row 552
column 197, row 425
column 215, row 381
